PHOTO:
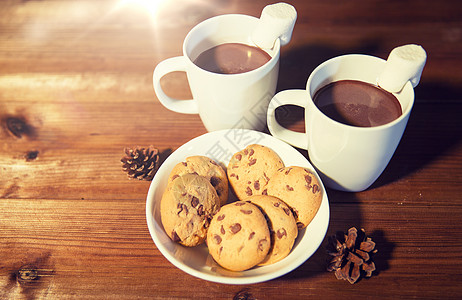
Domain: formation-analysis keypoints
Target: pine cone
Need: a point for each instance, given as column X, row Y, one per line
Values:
column 141, row 163
column 351, row 255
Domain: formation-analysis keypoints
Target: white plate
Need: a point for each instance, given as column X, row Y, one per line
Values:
column 221, row 145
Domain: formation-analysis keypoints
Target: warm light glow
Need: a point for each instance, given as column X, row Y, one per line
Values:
column 151, row 6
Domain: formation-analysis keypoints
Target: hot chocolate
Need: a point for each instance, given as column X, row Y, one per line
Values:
column 357, row 103
column 232, row 58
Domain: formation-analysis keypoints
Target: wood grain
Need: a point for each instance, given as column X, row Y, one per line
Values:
column 76, row 89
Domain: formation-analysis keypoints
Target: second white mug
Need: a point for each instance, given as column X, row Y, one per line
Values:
column 348, row 158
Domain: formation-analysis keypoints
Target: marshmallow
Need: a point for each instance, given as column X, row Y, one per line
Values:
column 403, row 64
column 276, row 21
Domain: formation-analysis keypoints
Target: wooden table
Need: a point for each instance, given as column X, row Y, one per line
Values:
column 76, row 88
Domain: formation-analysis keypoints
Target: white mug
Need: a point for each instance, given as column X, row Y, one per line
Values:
column 223, row 101
column 348, row 158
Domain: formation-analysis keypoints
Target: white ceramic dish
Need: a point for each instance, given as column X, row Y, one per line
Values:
column 221, row 145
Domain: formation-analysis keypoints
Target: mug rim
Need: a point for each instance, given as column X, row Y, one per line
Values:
column 268, row 65
column 408, row 86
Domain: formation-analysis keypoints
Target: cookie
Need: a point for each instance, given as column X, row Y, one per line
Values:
column 206, row 167
column 298, row 188
column 186, row 208
column 282, row 226
column 238, row 237
column 250, row 169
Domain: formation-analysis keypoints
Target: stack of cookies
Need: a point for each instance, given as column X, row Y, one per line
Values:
column 260, row 228
column 196, row 190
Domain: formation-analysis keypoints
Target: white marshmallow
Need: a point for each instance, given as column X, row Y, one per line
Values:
column 403, row 64
column 276, row 21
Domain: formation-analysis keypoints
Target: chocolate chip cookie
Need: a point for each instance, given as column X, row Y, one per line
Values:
column 238, row 237
column 282, row 226
column 250, row 169
column 187, row 207
column 206, row 167
column 300, row 189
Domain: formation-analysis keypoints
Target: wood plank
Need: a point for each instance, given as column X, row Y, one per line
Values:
column 78, row 149
column 76, row 88
column 112, row 255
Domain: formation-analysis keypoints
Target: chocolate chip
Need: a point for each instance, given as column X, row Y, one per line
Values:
column 217, row 239
column 235, row 228
column 182, row 207
column 215, row 181
column 194, row 201
column 222, row 230
column 239, row 156
column 175, row 236
column 256, row 185
column 276, row 204
column 248, row 191
column 239, row 203
column 251, row 152
column 315, row 189
column 200, row 210
column 262, row 244
column 251, row 235
column 289, row 188
column 288, row 171
column 252, row 161
column 185, row 164
column 246, row 151
column 308, row 179
column 281, row 233
column 220, row 217
column 264, row 192
column 175, row 176
column 286, row 210
column 246, row 211
column 232, row 175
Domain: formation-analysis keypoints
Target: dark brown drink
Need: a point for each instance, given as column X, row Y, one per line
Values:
column 232, row 58
column 357, row 103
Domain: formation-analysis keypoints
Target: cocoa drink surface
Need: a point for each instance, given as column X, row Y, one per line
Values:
column 357, row 103
column 232, row 58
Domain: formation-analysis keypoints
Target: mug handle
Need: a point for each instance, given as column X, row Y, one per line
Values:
column 288, row 97
column 170, row 65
